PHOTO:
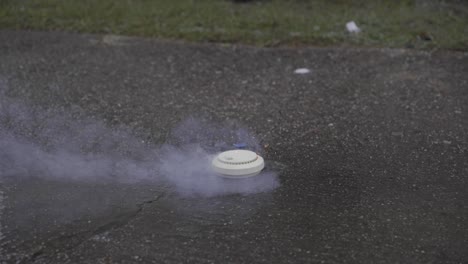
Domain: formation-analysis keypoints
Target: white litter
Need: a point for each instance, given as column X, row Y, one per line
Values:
column 301, row 71
column 352, row 27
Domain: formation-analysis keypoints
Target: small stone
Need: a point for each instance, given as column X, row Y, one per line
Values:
column 301, row 71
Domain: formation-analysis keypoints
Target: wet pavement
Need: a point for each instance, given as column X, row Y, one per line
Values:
column 371, row 147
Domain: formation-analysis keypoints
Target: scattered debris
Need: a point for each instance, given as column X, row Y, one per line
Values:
column 352, row 27
column 301, row 71
column 115, row 40
column 425, row 36
column 447, row 142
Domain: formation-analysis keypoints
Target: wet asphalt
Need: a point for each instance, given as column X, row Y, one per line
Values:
column 371, row 147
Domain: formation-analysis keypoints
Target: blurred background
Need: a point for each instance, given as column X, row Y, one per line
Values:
column 421, row 24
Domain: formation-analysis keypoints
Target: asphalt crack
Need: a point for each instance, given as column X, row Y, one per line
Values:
column 69, row 241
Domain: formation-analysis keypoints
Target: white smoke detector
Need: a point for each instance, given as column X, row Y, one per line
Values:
column 238, row 163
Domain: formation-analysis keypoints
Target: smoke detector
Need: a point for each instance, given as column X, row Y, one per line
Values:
column 238, row 163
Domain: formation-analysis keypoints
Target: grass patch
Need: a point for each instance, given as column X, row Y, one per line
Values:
column 389, row 23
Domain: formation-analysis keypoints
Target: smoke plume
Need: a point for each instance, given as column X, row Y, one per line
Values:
column 64, row 144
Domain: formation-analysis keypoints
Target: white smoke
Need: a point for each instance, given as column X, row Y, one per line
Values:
column 64, row 144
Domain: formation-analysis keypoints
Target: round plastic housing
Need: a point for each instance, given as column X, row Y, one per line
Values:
column 238, row 163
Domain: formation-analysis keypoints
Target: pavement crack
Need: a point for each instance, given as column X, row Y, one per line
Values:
column 142, row 204
column 70, row 241
column 123, row 219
